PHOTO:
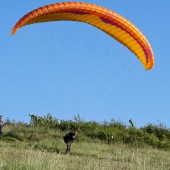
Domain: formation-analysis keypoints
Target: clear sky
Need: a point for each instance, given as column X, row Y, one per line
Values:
column 69, row 68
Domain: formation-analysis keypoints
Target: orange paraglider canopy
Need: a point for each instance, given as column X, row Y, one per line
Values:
column 108, row 21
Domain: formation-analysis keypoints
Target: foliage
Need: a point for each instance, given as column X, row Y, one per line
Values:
column 115, row 132
column 160, row 131
column 47, row 121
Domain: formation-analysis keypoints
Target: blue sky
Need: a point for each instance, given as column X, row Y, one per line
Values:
column 69, row 68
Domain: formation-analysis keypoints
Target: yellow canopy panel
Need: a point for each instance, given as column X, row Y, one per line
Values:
column 108, row 21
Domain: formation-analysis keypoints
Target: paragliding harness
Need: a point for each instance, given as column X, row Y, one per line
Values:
column 68, row 139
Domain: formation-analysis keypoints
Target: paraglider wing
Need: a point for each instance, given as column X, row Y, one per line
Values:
column 108, row 21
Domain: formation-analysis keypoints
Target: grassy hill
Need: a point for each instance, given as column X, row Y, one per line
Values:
column 40, row 146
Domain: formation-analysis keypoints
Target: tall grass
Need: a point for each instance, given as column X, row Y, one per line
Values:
column 36, row 148
column 84, row 156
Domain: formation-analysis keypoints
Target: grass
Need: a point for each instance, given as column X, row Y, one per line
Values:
column 24, row 148
column 121, row 158
column 85, row 156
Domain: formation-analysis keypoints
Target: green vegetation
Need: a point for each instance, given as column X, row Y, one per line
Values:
column 39, row 145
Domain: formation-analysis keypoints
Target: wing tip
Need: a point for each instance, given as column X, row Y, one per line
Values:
column 13, row 32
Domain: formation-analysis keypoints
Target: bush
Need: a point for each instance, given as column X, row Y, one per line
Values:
column 160, row 131
column 47, row 121
column 157, row 136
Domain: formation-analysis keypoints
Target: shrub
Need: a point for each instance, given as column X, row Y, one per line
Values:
column 160, row 131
